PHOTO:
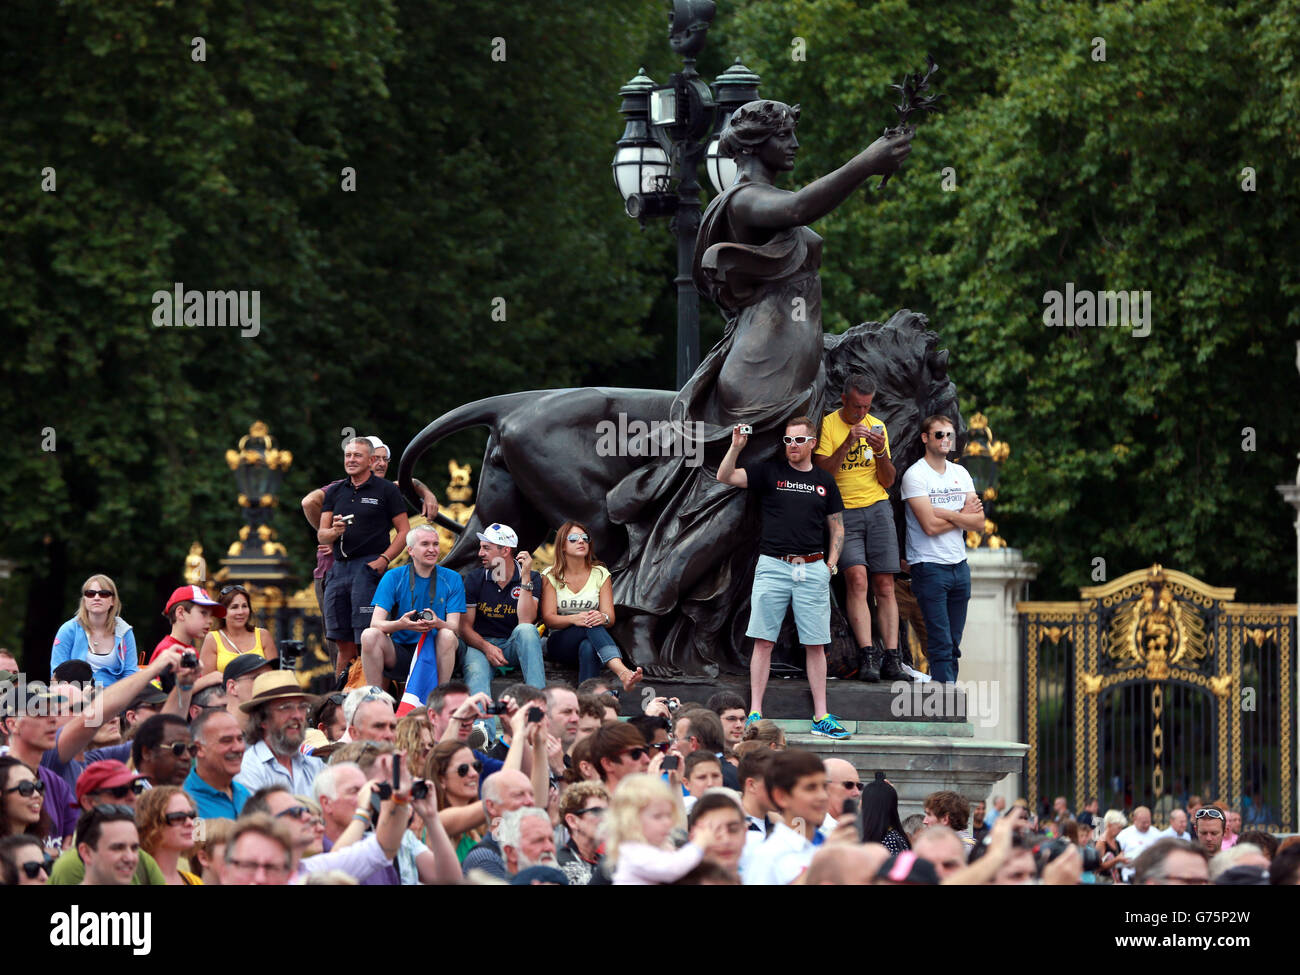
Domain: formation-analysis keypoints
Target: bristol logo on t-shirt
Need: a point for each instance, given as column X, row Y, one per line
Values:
column 821, row 490
column 514, row 593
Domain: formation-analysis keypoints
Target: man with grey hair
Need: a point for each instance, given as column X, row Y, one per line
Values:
column 526, row 839
column 355, row 519
column 368, row 716
column 504, row 792
column 853, row 446
column 1241, row 855
column 410, row 602
column 1170, row 861
column 277, row 721
column 1178, row 826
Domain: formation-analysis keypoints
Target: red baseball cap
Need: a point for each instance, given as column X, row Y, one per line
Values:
column 194, row 594
column 106, row 774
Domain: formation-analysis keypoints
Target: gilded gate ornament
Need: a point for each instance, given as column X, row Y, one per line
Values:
column 1158, row 631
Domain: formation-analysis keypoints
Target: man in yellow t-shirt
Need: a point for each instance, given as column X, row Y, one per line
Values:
column 854, row 447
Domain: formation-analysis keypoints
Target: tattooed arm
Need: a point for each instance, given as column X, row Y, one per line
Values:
column 836, row 523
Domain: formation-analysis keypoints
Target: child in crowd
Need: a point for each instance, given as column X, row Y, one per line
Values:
column 643, row 814
column 190, row 611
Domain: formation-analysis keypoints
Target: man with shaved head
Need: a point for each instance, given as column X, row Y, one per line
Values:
column 842, row 782
column 503, row 792
column 943, row 848
column 1135, row 838
column 846, row 865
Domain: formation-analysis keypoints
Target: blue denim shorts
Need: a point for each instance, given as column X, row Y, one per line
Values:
column 775, row 590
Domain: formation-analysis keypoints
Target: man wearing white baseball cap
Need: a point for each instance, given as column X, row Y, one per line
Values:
column 499, row 628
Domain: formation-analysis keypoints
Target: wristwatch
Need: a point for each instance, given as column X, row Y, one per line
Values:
column 526, row 586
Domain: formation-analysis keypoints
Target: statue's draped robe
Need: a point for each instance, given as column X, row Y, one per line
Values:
column 692, row 541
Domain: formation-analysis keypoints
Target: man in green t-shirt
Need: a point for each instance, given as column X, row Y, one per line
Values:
column 853, row 446
column 106, row 783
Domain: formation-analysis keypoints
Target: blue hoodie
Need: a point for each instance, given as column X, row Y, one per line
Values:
column 71, row 643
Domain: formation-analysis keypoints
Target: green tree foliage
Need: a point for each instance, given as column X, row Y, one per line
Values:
column 478, row 177
column 1118, row 174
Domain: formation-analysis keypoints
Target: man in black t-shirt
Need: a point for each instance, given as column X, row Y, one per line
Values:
column 800, row 502
column 355, row 518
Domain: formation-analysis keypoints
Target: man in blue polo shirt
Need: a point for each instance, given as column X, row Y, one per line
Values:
column 211, row 783
column 388, row 644
column 355, row 518
column 499, row 628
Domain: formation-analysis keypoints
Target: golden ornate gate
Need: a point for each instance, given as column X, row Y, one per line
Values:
column 1156, row 687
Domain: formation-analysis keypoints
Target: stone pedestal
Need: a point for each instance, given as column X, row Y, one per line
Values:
column 991, row 653
column 919, row 757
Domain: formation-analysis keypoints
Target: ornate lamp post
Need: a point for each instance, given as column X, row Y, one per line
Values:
column 259, row 467
column 670, row 130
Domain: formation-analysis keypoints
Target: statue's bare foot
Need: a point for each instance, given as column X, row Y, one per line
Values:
column 660, row 671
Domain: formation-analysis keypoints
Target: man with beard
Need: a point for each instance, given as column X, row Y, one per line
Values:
column 526, row 840
column 277, row 714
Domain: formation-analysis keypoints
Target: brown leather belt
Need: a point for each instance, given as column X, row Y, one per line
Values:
column 813, row 557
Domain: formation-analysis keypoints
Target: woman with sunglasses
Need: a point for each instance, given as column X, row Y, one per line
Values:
column 235, row 634
column 98, row 634
column 23, row 862
column 166, row 817
column 454, row 771
column 578, row 608
column 22, row 802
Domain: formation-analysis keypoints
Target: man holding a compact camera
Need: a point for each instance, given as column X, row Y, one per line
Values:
column 410, row 602
column 355, row 517
column 854, row 448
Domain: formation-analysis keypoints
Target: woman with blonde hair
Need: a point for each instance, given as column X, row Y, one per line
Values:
column 98, row 634
column 235, row 634
column 578, row 608
column 636, row 830
column 1112, row 858
column 165, row 817
column 415, row 738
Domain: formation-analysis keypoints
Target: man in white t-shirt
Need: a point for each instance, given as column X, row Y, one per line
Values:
column 1135, row 838
column 941, row 505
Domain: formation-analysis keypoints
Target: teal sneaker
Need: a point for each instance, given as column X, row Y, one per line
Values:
column 829, row 727
column 753, row 716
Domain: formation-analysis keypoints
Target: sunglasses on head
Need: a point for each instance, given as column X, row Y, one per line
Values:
column 797, row 440
column 121, row 791
column 226, row 590
column 29, row 788
column 176, row 818
column 463, row 768
column 1209, row 812
column 104, row 593
column 575, row 537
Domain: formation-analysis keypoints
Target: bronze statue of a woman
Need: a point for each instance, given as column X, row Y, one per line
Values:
column 692, row 542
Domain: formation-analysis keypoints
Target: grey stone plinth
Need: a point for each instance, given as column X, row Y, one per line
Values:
column 917, row 765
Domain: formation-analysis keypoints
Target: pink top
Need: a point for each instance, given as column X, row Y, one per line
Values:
column 641, row 863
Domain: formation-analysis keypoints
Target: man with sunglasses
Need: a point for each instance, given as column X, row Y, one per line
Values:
column 111, row 784
column 801, row 506
column 162, row 748
column 1210, row 826
column 842, row 782
column 941, row 507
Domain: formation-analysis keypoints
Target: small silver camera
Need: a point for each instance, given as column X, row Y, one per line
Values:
column 428, row 615
column 347, row 519
column 746, row 429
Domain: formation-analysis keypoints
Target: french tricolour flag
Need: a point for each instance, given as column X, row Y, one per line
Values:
column 422, row 679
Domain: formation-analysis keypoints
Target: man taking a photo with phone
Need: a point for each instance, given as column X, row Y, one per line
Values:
column 854, row 449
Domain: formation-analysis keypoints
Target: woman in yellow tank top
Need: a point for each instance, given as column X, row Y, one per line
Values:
column 232, row 638
column 578, row 606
